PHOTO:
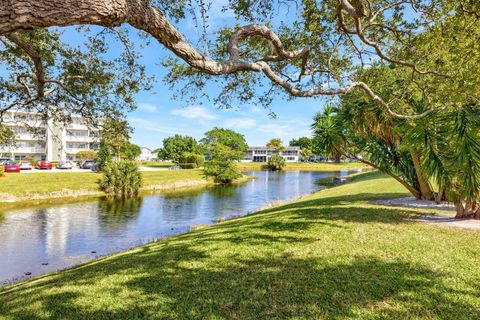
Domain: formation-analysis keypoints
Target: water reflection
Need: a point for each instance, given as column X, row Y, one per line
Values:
column 42, row 240
column 115, row 213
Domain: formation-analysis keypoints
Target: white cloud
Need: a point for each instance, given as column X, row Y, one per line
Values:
column 256, row 109
column 136, row 121
column 283, row 131
column 160, row 127
column 148, row 107
column 194, row 112
column 240, row 123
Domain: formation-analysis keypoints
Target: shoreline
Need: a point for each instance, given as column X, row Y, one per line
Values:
column 68, row 196
column 191, row 229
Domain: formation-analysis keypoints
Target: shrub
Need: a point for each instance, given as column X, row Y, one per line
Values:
column 222, row 167
column 222, row 171
column 187, row 165
column 276, row 162
column 30, row 159
column 86, row 155
column 2, row 171
column 121, row 179
column 197, row 160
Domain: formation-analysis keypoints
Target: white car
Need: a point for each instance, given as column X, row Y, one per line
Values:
column 25, row 165
column 65, row 165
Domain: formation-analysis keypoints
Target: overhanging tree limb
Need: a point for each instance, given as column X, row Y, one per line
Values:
column 18, row 15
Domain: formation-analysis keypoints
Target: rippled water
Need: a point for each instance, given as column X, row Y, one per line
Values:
column 40, row 240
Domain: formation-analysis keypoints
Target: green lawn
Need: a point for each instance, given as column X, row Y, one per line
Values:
column 44, row 183
column 332, row 255
column 306, row 166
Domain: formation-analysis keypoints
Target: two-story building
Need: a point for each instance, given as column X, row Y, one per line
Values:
column 262, row 154
column 146, row 155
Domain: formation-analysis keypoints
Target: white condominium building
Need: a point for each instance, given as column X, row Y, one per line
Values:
column 51, row 141
column 146, row 155
column 262, row 154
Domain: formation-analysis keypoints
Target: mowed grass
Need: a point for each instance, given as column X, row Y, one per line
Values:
column 306, row 166
column 333, row 255
column 44, row 183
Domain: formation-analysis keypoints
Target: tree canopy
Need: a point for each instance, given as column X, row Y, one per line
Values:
column 320, row 49
column 174, row 147
column 229, row 138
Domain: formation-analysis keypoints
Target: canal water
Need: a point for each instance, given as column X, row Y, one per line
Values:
column 36, row 241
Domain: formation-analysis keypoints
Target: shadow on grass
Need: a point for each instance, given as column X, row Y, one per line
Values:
column 246, row 269
column 177, row 282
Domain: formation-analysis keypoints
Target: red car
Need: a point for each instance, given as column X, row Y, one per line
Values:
column 44, row 165
column 11, row 166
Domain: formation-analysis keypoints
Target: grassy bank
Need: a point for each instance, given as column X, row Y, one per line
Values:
column 36, row 187
column 155, row 164
column 305, row 166
column 330, row 255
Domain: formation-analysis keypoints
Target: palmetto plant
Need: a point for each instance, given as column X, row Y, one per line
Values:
column 121, row 179
column 328, row 132
column 452, row 158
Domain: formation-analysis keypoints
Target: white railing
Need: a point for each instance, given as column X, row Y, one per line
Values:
column 28, row 150
column 71, row 138
column 30, row 136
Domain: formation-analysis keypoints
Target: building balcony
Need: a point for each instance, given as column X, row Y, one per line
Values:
column 26, row 150
column 71, row 138
column 75, row 150
column 77, row 126
column 30, row 136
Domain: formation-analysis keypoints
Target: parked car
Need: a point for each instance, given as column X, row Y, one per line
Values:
column 65, row 165
column 44, row 165
column 87, row 164
column 95, row 167
column 25, row 165
column 11, row 166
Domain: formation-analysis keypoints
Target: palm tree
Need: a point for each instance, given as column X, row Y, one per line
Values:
column 328, row 135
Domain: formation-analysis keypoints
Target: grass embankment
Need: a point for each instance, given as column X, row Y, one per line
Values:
column 155, row 164
column 26, row 188
column 330, row 255
column 306, row 166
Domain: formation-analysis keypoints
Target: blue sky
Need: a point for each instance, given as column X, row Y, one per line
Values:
column 159, row 116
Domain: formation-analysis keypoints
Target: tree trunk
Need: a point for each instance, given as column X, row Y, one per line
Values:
column 337, row 158
column 415, row 192
column 467, row 209
column 424, row 185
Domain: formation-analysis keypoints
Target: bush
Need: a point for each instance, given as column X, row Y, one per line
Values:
column 30, row 159
column 2, row 171
column 187, row 165
column 86, row 155
column 222, row 167
column 222, row 171
column 197, row 160
column 121, row 179
column 276, row 162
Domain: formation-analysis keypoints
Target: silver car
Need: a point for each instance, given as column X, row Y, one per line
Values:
column 65, row 165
